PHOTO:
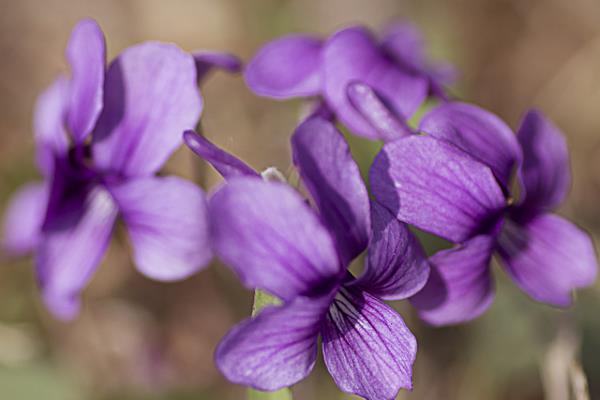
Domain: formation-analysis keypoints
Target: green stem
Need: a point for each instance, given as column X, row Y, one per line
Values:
column 261, row 300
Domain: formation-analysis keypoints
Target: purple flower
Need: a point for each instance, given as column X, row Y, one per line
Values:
column 101, row 136
column 304, row 66
column 454, row 182
column 269, row 235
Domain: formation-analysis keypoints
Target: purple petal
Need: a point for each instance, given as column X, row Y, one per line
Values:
column 404, row 42
column 271, row 238
column 275, row 349
column 396, row 266
column 460, row 287
column 86, row 53
column 333, row 179
column 548, row 258
column 226, row 164
column 372, row 108
column 167, row 223
column 545, row 176
column 478, row 132
column 150, row 98
column 368, row 349
column 206, row 61
column 352, row 55
column 435, row 186
column 68, row 255
column 49, row 125
column 286, row 67
column 24, row 217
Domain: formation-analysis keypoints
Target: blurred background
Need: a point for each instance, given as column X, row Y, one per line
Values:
column 141, row 340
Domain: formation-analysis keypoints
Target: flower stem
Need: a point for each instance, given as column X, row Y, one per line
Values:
column 261, row 300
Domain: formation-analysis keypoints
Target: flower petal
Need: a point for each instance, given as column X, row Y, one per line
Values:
column 460, row 287
column 478, row 132
column 435, row 186
column 150, row 98
column 69, row 254
column 225, row 163
column 49, row 125
column 275, row 349
column 206, row 61
column 271, row 238
column 352, row 55
column 86, row 53
column 24, row 217
column 404, row 42
column 333, row 179
column 548, row 258
column 286, row 67
column 545, row 176
column 396, row 266
column 167, row 223
column 368, row 349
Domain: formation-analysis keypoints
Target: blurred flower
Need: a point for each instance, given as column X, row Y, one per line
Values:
column 274, row 241
column 101, row 137
column 454, row 181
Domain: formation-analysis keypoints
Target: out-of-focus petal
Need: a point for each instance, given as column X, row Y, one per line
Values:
column 548, row 258
column 86, row 53
column 167, row 223
column 49, row 125
column 68, row 254
column 275, row 349
column 24, row 217
column 333, row 179
column 271, row 238
column 225, row 163
column 396, row 266
column 460, row 286
column 286, row 67
column 478, row 132
column 206, row 61
column 545, row 176
column 404, row 42
column 368, row 349
column 372, row 108
column 352, row 55
column 150, row 98
column 437, row 187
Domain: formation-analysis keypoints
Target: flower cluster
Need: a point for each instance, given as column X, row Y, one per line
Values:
column 102, row 134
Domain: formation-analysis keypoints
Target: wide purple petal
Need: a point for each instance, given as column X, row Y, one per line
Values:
column 69, row 254
column 404, row 42
column 545, row 176
column 49, row 125
column 24, row 217
column 167, row 221
column 352, row 55
column 478, row 132
column 460, row 286
column 548, row 258
column 271, row 238
column 225, row 163
column 435, row 186
column 364, row 99
column 367, row 348
column 86, row 53
column 333, row 179
column 286, row 67
column 150, row 97
column 275, row 349
column 396, row 266
column 206, row 61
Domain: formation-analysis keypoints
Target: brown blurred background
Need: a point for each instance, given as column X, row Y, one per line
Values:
column 137, row 339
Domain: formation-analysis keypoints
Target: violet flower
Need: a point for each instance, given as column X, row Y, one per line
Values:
column 454, row 182
column 101, row 136
column 305, row 66
column 268, row 234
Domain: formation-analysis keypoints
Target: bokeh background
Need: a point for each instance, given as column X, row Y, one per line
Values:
column 141, row 340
